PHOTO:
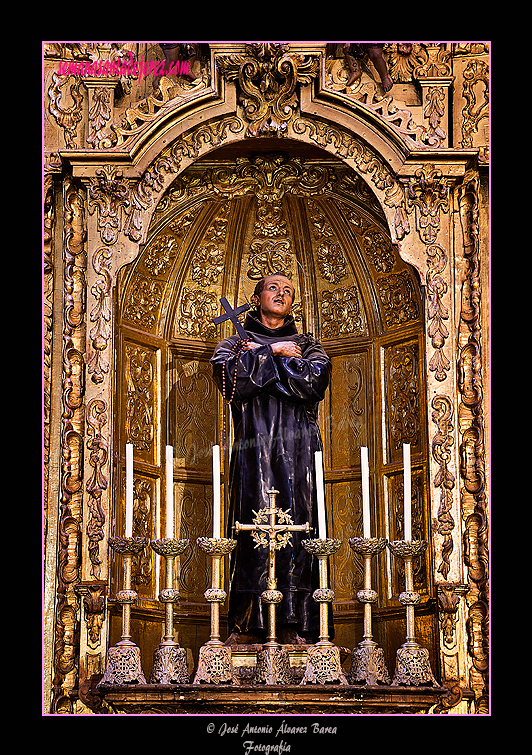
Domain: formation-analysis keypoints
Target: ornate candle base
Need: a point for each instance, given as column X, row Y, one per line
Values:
column 214, row 663
column 412, row 661
column 123, row 666
column 123, row 660
column 273, row 665
column 169, row 659
column 412, row 667
column 368, row 665
column 367, row 660
column 323, row 658
column 273, row 662
column 323, row 665
column 169, row 666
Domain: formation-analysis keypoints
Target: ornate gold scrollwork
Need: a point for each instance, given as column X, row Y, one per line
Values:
column 268, row 74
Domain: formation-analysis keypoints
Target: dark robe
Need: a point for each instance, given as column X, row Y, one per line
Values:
column 274, row 411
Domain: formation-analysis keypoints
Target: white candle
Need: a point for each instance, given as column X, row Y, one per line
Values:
column 216, row 492
column 407, row 493
column 322, row 530
column 365, row 490
column 129, row 490
column 169, row 491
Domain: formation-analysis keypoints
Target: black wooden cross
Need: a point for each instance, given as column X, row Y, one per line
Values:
column 231, row 314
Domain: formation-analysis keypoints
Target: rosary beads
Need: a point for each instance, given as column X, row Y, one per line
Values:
column 237, row 350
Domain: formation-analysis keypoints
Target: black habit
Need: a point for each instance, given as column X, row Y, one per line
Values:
column 274, row 410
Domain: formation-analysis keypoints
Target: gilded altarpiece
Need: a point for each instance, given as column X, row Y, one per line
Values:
column 382, row 200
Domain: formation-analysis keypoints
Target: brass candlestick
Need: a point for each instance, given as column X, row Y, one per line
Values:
column 412, row 662
column 367, row 660
column 272, row 528
column 123, row 660
column 323, row 658
column 169, row 659
column 215, row 664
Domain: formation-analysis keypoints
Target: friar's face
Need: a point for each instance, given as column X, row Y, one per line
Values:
column 276, row 297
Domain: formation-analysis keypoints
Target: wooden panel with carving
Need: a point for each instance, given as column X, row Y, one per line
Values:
column 138, row 421
column 404, row 400
column 141, row 410
column 191, row 410
column 348, row 416
column 194, row 506
column 420, row 527
column 346, row 569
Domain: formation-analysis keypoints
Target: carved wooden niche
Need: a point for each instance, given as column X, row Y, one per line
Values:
column 220, row 227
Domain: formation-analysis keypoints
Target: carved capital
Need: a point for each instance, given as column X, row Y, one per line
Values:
column 449, row 594
column 109, row 197
column 94, row 599
column 428, row 196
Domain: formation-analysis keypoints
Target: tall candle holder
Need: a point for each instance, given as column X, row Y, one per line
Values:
column 215, row 664
column 272, row 528
column 367, row 660
column 412, row 661
column 169, row 659
column 123, row 660
column 323, row 658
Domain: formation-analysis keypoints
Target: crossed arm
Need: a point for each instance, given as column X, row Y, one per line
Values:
column 279, row 349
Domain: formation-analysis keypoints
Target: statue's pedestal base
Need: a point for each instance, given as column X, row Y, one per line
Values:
column 249, row 699
column 245, row 661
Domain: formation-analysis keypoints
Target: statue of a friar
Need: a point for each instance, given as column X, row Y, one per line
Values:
column 274, row 382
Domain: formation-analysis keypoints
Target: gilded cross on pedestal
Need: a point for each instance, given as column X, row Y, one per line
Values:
column 272, row 528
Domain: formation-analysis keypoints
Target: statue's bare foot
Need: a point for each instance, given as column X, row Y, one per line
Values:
column 291, row 637
column 355, row 70
column 239, row 638
column 387, row 83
